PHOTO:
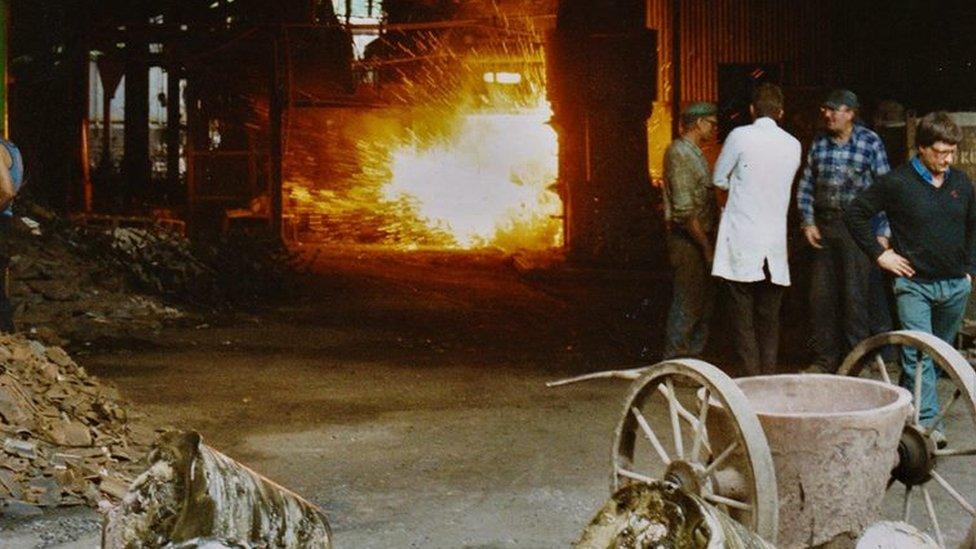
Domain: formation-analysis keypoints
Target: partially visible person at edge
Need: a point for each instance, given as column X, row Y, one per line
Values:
column 932, row 212
column 11, row 178
column 842, row 162
column 690, row 210
column 757, row 165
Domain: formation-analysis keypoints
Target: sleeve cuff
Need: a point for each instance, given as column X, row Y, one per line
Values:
column 878, row 250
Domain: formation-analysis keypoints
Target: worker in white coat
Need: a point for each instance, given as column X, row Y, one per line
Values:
column 757, row 166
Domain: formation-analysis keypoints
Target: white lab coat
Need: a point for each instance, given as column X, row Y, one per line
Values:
column 757, row 166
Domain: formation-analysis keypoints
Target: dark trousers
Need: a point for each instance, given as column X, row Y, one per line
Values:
column 754, row 310
column 839, row 293
column 6, row 308
column 881, row 309
column 691, row 300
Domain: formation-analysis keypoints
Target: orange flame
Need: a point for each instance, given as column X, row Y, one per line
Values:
column 488, row 184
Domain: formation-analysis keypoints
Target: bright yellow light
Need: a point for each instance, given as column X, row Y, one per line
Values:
column 489, row 185
column 502, row 77
column 508, row 77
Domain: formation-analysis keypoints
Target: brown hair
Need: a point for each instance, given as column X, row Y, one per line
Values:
column 937, row 126
column 767, row 100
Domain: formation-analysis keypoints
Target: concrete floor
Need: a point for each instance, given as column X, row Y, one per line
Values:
column 408, row 400
column 406, row 396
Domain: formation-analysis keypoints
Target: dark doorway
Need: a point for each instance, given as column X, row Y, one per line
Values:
column 735, row 84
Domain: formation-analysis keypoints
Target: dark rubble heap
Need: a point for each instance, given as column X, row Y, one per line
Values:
column 75, row 285
column 63, row 294
column 67, row 439
column 225, row 273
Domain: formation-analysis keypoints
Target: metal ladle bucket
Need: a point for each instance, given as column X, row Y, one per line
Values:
column 834, row 442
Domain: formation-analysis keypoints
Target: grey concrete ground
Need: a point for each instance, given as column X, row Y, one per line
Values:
column 407, row 398
column 411, row 405
column 77, row 528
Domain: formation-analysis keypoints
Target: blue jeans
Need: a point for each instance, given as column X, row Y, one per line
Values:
column 937, row 308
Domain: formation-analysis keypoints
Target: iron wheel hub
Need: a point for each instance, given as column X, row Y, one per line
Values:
column 687, row 476
column 916, row 457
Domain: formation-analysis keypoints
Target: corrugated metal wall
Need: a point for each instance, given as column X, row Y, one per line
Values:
column 659, row 18
column 799, row 34
column 795, row 33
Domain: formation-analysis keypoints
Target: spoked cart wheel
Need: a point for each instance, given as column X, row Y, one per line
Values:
column 942, row 480
column 664, row 433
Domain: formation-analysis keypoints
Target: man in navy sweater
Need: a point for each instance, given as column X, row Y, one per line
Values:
column 932, row 212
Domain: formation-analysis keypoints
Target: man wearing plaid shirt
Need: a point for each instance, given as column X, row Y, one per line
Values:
column 841, row 163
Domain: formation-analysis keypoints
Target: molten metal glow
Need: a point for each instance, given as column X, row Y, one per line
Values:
column 488, row 184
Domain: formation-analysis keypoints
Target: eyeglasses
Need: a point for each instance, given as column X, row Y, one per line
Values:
column 942, row 153
column 712, row 121
column 842, row 109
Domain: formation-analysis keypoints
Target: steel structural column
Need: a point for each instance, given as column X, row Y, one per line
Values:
column 173, row 124
column 601, row 66
column 4, row 55
column 675, row 68
column 135, row 163
column 78, row 190
column 276, row 111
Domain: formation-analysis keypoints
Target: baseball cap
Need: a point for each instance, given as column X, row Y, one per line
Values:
column 700, row 109
column 841, row 97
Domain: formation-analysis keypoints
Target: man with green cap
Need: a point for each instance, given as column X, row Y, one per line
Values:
column 690, row 210
column 843, row 161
